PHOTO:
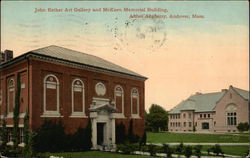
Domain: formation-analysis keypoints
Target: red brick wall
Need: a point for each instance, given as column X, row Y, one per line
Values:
column 24, row 92
column 6, row 74
column 66, row 75
column 35, row 71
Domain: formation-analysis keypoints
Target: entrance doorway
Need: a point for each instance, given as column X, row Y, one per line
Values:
column 100, row 133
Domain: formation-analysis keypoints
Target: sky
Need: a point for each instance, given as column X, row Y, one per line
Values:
column 180, row 56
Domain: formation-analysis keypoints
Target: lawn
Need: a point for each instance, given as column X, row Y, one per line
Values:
column 237, row 150
column 196, row 138
column 231, row 150
column 94, row 154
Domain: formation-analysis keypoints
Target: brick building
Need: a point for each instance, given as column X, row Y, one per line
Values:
column 218, row 112
column 62, row 84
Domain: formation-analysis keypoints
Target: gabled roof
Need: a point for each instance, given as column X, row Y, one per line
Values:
column 68, row 56
column 199, row 102
column 243, row 93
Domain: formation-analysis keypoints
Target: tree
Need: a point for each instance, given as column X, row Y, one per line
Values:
column 243, row 126
column 157, row 118
column 16, row 114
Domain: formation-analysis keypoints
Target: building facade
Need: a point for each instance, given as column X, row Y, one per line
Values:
column 218, row 112
column 74, row 87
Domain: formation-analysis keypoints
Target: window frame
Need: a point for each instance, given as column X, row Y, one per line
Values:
column 138, row 103
column 78, row 114
column 51, row 113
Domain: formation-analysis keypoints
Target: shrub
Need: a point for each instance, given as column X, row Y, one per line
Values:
column 167, row 150
column 243, row 126
column 143, row 140
column 120, row 133
column 216, row 149
column 127, row 148
column 188, row 151
column 197, row 150
column 152, row 149
column 144, row 148
column 54, row 134
column 56, row 140
column 179, row 149
column 208, row 151
column 3, row 135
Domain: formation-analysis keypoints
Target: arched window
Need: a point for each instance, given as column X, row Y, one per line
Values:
column 11, row 96
column 134, row 103
column 51, row 96
column 119, row 100
column 78, row 98
column 231, row 114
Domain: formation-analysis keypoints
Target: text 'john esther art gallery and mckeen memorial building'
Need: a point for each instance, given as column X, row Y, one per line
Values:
column 74, row 87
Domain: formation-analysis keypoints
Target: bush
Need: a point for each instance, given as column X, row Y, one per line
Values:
column 54, row 134
column 188, row 151
column 152, row 149
column 197, row 150
column 243, row 126
column 120, row 133
column 57, row 141
column 216, row 149
column 127, row 148
column 167, row 150
column 179, row 149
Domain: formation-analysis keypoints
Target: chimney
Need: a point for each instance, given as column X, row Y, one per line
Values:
column 2, row 57
column 198, row 93
column 8, row 55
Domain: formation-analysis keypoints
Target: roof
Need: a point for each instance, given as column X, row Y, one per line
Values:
column 243, row 93
column 89, row 61
column 199, row 102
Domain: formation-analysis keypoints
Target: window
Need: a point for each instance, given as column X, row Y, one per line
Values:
column 189, row 115
column 231, row 114
column 78, row 98
column 205, row 115
column 231, row 119
column 208, row 115
column 200, row 115
column 184, row 115
column 11, row 97
column 179, row 124
column 190, row 124
column 51, row 96
column 119, row 100
column 134, row 103
column 184, row 124
column 205, row 125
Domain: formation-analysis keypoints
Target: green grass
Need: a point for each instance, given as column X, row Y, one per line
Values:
column 230, row 150
column 196, row 138
column 94, row 154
